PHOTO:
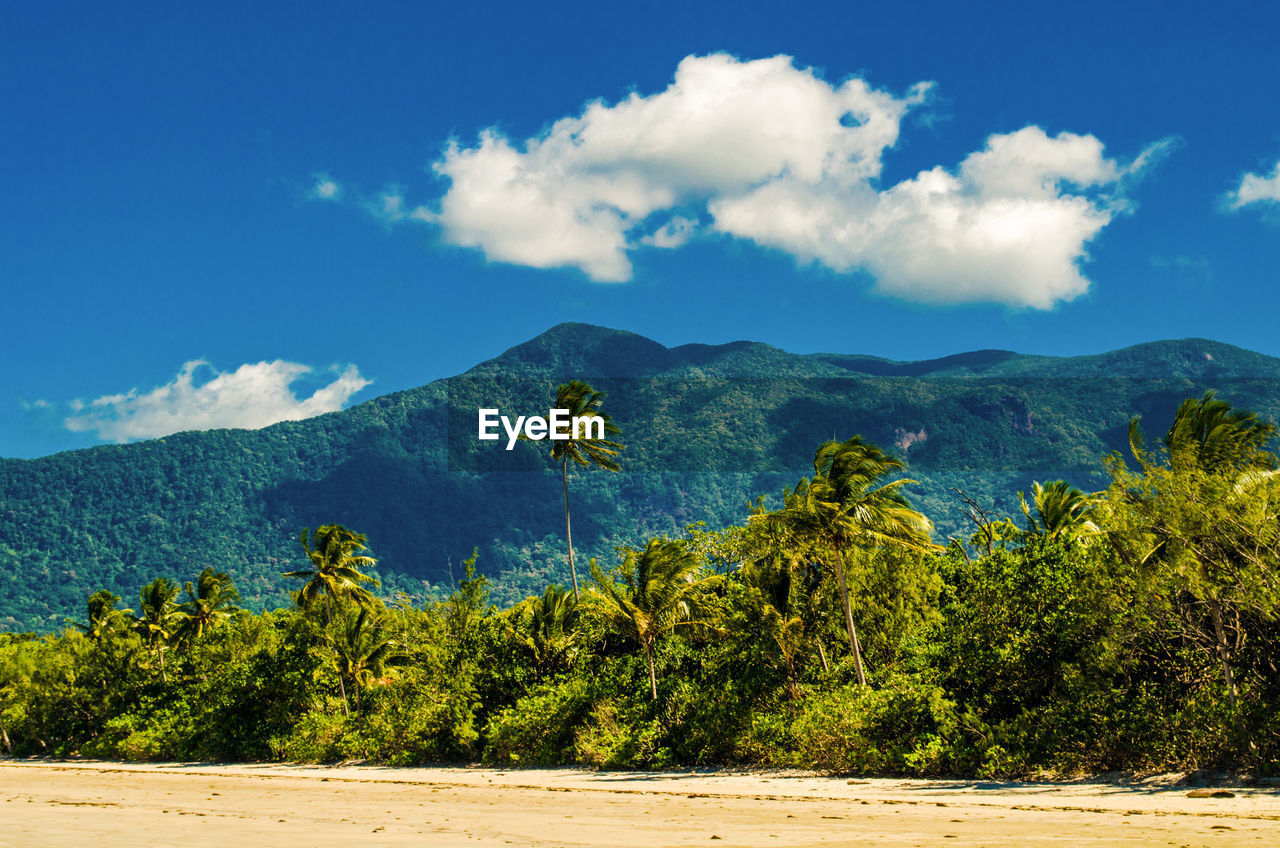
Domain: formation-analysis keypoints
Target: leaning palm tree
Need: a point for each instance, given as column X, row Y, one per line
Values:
column 211, row 599
column 1211, row 436
column 847, row 505
column 660, row 591
column 582, row 401
column 1059, row 510
column 335, row 568
column 1216, row 463
column 158, row 618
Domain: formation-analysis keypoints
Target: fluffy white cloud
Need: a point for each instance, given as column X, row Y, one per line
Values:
column 252, row 396
column 766, row 151
column 1257, row 189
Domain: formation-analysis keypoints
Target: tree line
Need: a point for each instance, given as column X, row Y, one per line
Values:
column 1131, row 628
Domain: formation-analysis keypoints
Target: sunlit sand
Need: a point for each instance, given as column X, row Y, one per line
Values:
column 73, row 804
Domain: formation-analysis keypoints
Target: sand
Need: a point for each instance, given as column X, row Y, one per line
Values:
column 198, row 804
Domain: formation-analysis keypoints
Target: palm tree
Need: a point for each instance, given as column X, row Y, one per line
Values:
column 1209, row 435
column 1059, row 510
column 772, row 594
column 545, row 625
column 211, row 599
column 103, row 615
column 158, row 617
column 1218, row 465
column 335, row 568
column 334, row 575
column 582, row 401
column 846, row 505
column 364, row 651
column 660, row 591
column 782, row 587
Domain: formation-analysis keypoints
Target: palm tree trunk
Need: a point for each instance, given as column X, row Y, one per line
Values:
column 342, row 687
column 793, row 686
column 822, row 654
column 653, row 677
column 848, row 615
column 164, row 678
column 568, row 530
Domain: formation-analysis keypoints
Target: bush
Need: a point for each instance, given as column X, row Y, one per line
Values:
column 907, row 727
column 539, row 728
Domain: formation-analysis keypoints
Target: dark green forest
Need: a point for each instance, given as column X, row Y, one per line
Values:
column 707, row 428
column 1129, row 627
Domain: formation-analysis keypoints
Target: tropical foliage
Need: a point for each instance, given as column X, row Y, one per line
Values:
column 1132, row 628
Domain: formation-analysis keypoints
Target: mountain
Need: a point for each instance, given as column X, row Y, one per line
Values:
column 707, row 428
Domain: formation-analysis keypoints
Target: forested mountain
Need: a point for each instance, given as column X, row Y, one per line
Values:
column 707, row 427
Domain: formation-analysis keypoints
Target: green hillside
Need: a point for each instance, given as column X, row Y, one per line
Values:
column 706, row 427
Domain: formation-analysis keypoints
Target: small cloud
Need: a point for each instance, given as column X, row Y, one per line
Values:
column 673, row 233
column 1181, row 263
column 1256, row 189
column 255, row 395
column 1185, row 272
column 325, row 188
column 35, row 404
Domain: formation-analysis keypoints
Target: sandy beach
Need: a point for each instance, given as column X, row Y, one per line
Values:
column 69, row 804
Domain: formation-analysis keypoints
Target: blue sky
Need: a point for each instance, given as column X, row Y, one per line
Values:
column 327, row 202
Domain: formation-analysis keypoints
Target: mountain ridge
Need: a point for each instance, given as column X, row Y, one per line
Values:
column 708, row 427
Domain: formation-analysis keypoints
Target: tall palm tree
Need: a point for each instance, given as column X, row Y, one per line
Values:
column 1059, row 510
column 158, row 617
column 582, row 401
column 364, row 650
column 211, row 599
column 847, row 505
column 103, row 615
column 335, row 568
column 660, row 591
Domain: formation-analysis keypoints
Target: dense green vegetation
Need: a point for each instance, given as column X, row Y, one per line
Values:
column 707, row 428
column 1130, row 628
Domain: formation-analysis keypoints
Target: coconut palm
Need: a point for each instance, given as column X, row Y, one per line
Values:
column 782, row 589
column 158, row 618
column 211, row 599
column 772, row 598
column 1209, row 435
column 104, row 618
column 1059, row 510
column 582, row 401
column 364, row 650
column 846, row 505
column 1208, row 512
column 545, row 625
column 335, row 568
column 659, row 591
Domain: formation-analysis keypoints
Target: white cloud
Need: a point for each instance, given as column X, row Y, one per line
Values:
column 252, row 396
column 769, row 152
column 673, row 233
column 1257, row 189
column 325, row 188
